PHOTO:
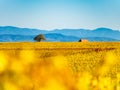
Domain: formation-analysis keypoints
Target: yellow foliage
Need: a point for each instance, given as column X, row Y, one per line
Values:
column 60, row 66
column 52, row 84
column 84, row 81
column 110, row 58
column 59, row 62
column 10, row 86
column 17, row 66
column 27, row 56
column 105, row 83
column 3, row 62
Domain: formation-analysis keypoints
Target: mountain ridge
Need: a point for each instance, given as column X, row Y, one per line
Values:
column 50, row 37
column 99, row 34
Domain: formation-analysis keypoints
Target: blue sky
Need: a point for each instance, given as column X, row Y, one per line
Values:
column 59, row 14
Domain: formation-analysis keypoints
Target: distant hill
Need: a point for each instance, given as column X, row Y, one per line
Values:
column 100, row 32
column 51, row 37
column 20, row 31
column 15, row 38
column 60, row 37
column 10, row 33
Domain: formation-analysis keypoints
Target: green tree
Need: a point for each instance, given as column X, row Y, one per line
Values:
column 39, row 38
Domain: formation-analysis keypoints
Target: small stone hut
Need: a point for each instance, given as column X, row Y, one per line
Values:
column 83, row 40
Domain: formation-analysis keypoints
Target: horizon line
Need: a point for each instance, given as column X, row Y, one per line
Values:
column 56, row 28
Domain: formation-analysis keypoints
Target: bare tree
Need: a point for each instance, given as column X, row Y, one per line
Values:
column 39, row 38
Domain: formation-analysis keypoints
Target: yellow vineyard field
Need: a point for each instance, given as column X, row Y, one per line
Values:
column 60, row 66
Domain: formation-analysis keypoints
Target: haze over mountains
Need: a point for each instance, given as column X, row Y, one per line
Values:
column 14, row 34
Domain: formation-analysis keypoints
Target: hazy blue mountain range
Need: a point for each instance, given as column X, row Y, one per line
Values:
column 54, row 37
column 12, row 34
column 100, row 32
column 20, row 31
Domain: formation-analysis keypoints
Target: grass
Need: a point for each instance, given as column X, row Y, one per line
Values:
column 61, row 66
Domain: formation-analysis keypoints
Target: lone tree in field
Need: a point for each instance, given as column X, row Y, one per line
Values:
column 39, row 38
